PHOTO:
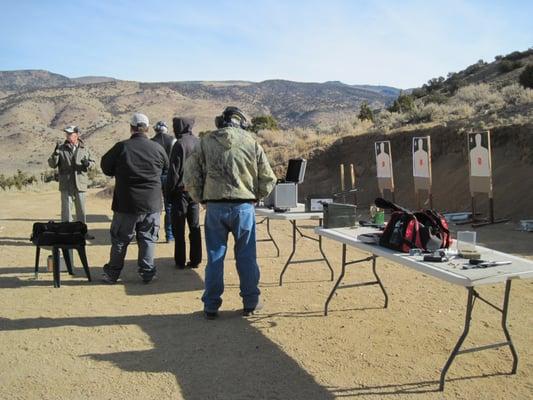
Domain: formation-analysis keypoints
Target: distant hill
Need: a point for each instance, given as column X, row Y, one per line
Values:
column 31, row 79
column 36, row 105
column 85, row 80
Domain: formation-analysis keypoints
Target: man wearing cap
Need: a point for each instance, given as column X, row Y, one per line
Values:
column 167, row 142
column 137, row 165
column 72, row 159
column 229, row 172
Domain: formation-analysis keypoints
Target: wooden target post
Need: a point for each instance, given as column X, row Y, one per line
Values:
column 384, row 167
column 480, row 167
column 352, row 190
column 422, row 169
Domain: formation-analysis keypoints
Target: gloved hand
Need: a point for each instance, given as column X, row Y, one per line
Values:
column 85, row 163
column 58, row 143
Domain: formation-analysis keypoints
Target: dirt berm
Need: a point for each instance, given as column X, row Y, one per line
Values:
column 512, row 165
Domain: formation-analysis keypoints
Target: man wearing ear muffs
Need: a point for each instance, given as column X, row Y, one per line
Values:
column 229, row 172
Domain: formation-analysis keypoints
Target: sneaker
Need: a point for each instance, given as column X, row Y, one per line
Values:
column 179, row 266
column 190, row 265
column 247, row 311
column 107, row 279
column 211, row 315
column 89, row 237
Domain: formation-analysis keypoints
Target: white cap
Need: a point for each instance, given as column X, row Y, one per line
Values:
column 139, row 119
column 71, row 129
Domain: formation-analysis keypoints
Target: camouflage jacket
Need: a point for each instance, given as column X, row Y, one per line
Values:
column 72, row 164
column 228, row 164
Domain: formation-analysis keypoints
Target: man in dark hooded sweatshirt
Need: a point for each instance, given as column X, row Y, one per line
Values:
column 183, row 207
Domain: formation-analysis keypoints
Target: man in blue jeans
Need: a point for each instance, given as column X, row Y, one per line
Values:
column 137, row 165
column 229, row 171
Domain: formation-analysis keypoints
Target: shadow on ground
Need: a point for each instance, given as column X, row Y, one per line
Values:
column 223, row 359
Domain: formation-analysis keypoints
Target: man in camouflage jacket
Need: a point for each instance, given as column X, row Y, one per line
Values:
column 229, row 172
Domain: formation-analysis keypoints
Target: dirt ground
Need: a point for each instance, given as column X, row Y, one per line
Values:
column 136, row 341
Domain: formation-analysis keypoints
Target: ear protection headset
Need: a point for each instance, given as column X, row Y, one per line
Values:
column 161, row 126
column 231, row 116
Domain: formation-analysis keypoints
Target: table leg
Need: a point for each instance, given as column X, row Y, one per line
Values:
column 292, row 253
column 472, row 296
column 37, row 254
column 504, row 325
column 325, row 259
column 56, row 269
column 379, row 282
column 468, row 317
column 270, row 237
column 295, row 232
column 343, row 271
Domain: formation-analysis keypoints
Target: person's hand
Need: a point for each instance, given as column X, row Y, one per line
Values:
column 58, row 143
column 85, row 163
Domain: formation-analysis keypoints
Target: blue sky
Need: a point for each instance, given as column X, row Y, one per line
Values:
column 396, row 43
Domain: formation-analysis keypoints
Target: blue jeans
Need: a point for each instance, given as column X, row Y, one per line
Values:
column 220, row 220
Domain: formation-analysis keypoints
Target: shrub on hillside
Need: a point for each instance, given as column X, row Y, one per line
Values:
column 419, row 92
column 518, row 55
column 508, row 66
column 404, row 103
column 264, row 122
column 526, row 77
column 365, row 113
column 18, row 180
column 434, row 84
column 387, row 120
column 481, row 96
column 436, row 97
column 516, row 94
column 472, row 69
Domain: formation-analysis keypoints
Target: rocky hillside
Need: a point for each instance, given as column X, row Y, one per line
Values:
column 24, row 80
column 36, row 105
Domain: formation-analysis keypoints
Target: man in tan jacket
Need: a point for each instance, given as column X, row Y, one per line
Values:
column 73, row 160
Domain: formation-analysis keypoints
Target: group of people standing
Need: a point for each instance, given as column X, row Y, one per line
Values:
column 225, row 170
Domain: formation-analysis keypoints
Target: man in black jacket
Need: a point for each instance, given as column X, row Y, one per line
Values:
column 183, row 207
column 137, row 165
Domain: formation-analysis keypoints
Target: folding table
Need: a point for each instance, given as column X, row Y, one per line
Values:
column 294, row 215
column 449, row 271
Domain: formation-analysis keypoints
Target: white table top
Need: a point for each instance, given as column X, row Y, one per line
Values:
column 291, row 215
column 449, row 271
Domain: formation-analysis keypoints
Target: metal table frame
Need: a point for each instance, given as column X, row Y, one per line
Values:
column 296, row 230
column 293, row 216
column 343, row 270
column 270, row 237
column 471, row 299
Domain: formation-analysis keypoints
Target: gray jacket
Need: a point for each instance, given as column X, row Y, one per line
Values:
column 72, row 165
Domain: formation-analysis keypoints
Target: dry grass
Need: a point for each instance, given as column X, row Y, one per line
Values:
column 282, row 145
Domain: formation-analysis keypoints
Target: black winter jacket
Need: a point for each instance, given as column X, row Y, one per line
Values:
column 184, row 146
column 137, row 164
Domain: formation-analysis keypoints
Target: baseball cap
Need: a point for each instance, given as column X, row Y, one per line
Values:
column 71, row 129
column 138, row 119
